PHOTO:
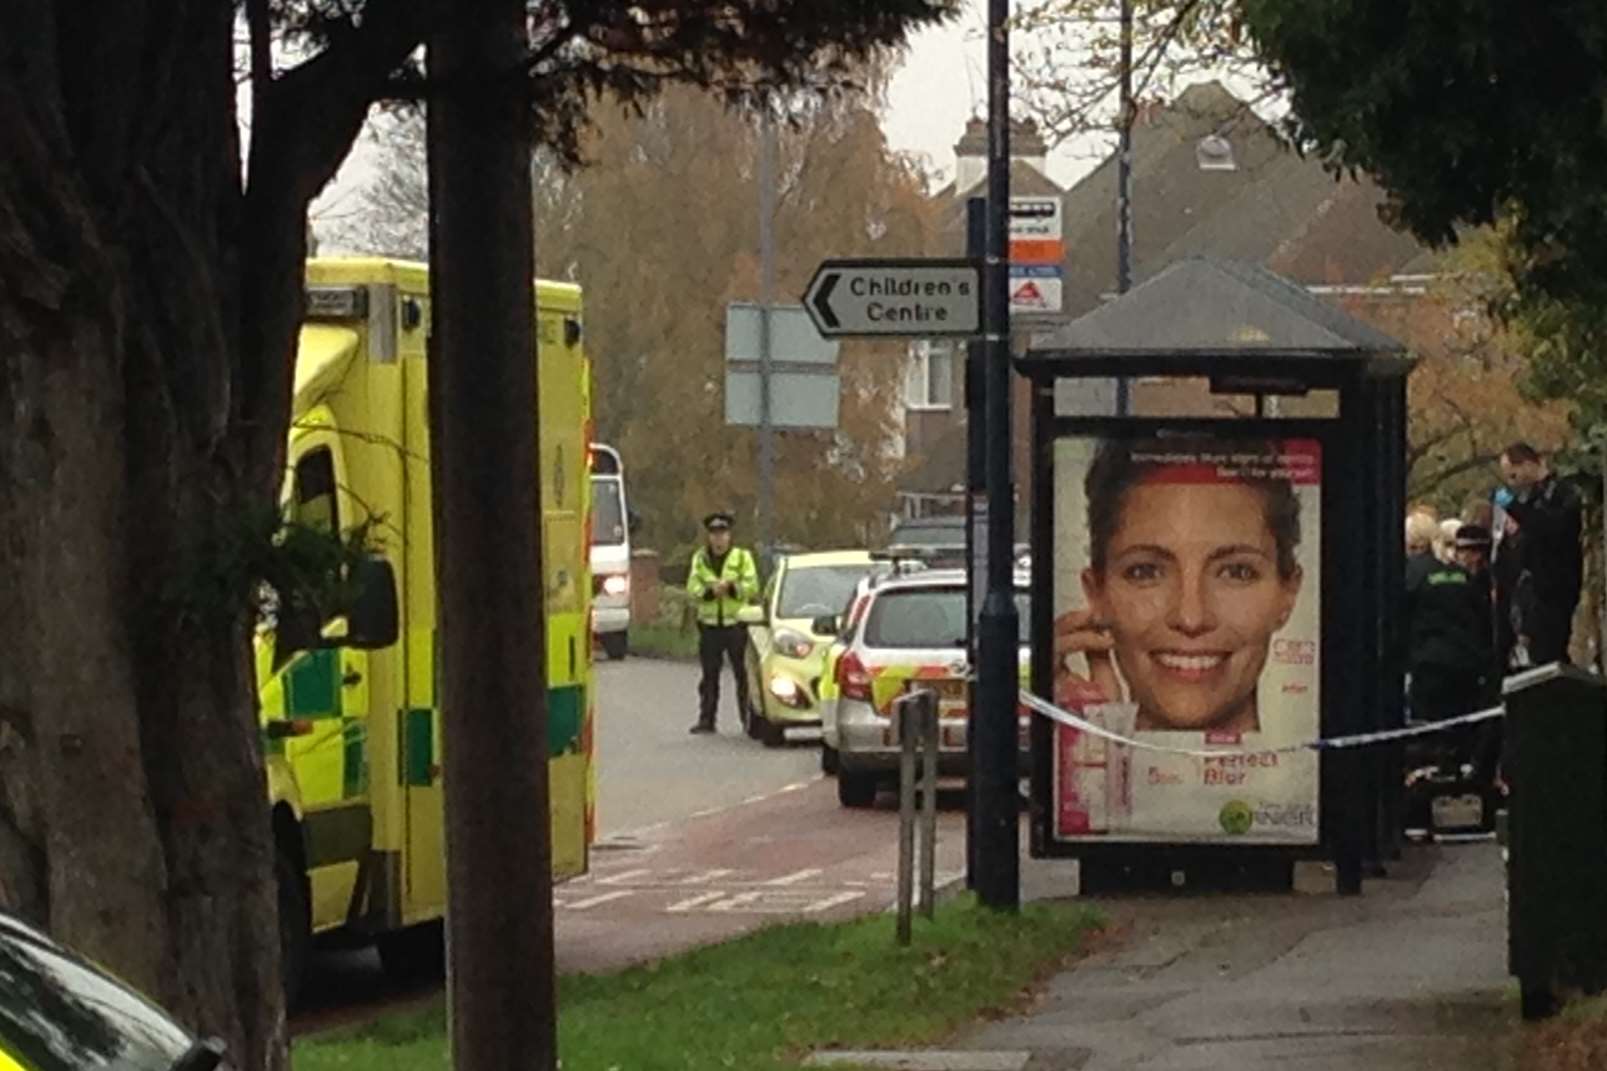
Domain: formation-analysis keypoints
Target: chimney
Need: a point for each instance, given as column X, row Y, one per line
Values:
column 971, row 157
column 971, row 152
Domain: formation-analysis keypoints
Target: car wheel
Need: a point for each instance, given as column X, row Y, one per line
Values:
column 828, row 759
column 295, row 922
column 772, row 734
column 753, row 721
column 856, row 789
column 616, row 644
column 414, row 955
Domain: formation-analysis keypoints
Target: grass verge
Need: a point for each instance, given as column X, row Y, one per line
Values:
column 1576, row 1040
column 663, row 641
column 763, row 1001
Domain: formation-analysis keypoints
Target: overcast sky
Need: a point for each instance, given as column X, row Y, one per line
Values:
column 941, row 85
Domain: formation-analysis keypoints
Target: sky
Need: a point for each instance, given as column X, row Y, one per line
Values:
column 942, row 84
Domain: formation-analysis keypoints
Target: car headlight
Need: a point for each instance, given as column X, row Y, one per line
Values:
column 794, row 644
column 784, row 689
column 616, row 585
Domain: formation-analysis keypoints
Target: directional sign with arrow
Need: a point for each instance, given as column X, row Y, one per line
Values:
column 912, row 298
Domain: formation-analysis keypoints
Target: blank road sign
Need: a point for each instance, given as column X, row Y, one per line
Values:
column 793, row 339
column 797, row 399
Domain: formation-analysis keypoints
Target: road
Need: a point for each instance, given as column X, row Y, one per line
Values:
column 651, row 770
column 701, row 838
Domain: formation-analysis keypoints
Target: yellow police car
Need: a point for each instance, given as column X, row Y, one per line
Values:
column 786, row 641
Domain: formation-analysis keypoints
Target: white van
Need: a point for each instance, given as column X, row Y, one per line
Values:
column 610, row 551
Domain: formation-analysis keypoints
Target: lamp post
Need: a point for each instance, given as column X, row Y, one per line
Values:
column 1124, row 179
column 998, row 856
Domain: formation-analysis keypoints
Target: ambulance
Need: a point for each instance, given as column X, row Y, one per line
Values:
column 351, row 717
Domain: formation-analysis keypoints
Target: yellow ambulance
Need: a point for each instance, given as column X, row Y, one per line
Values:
column 351, row 707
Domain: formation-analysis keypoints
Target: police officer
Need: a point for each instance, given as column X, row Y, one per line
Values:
column 1548, row 512
column 722, row 580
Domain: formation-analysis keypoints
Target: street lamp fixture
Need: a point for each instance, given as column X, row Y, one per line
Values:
column 1215, row 153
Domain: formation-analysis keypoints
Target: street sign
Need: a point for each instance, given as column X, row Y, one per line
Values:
column 1037, row 230
column 1035, row 288
column 908, row 298
column 1037, row 255
column 792, row 338
column 798, row 399
column 804, row 385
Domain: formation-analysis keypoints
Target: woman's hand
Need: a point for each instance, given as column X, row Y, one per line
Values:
column 1079, row 632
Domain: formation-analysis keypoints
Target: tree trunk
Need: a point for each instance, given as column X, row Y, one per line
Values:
column 148, row 312
column 500, row 984
column 132, row 822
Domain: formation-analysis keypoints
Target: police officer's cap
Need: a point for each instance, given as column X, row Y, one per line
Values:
column 1472, row 537
column 718, row 520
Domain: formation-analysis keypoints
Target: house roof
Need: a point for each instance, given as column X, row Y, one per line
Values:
column 1207, row 313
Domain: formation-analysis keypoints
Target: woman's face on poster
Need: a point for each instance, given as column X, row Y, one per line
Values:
column 1192, row 595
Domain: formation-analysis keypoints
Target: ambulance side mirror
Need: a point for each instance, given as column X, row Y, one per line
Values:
column 373, row 622
column 825, row 625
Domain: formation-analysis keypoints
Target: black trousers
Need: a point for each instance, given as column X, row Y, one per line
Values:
column 716, row 643
column 1438, row 694
column 1549, row 633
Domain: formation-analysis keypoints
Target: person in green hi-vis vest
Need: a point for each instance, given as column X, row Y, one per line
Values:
column 722, row 580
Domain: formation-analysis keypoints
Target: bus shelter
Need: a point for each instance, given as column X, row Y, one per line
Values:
column 1218, row 484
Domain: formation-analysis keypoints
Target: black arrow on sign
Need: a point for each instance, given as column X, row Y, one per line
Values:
column 828, row 283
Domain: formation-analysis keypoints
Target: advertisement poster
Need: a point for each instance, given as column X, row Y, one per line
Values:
column 1186, row 591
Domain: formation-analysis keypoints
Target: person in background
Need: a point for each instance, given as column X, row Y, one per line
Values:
column 723, row 579
column 1548, row 514
column 1449, row 655
column 1445, row 540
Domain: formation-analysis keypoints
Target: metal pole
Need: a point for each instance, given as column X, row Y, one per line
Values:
column 1124, row 179
column 929, row 731
column 976, row 467
column 767, row 287
column 994, row 722
column 908, row 726
column 1601, row 574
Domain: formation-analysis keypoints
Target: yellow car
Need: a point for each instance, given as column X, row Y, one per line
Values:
column 787, row 638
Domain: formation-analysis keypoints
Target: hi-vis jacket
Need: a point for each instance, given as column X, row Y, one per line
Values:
column 738, row 567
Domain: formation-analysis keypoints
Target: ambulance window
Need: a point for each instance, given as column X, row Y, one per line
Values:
column 315, row 491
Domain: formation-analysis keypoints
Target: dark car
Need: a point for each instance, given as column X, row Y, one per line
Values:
column 60, row 1013
column 939, row 541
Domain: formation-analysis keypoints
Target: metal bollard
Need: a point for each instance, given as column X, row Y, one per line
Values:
column 926, row 710
column 903, row 709
column 918, row 746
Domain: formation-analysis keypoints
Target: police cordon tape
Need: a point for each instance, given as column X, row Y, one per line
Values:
column 1334, row 743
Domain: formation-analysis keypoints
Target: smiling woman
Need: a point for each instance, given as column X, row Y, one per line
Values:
column 1191, row 571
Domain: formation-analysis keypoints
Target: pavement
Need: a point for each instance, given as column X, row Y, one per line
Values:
column 1410, row 975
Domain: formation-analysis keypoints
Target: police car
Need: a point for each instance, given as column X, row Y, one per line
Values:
column 899, row 633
